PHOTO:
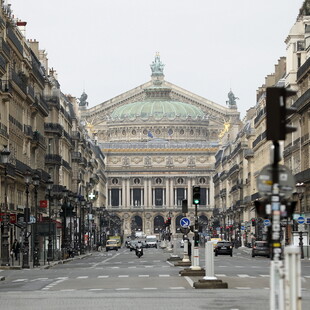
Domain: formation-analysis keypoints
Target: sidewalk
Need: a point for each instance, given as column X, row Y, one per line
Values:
column 17, row 264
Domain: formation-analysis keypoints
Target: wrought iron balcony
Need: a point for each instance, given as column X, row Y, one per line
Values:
column 4, row 47
column 53, row 128
column 14, row 39
column 28, row 131
column 19, row 82
column 53, row 159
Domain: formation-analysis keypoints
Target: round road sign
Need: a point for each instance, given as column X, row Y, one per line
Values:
column 301, row 220
column 185, row 222
column 286, row 181
column 267, row 222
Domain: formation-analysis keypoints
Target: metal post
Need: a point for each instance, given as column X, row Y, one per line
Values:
column 276, row 266
column 82, row 237
column 50, row 244
column 6, row 219
column 195, row 265
column 36, row 250
column 25, row 263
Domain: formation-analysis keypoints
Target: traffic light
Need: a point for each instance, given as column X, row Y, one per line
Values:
column 277, row 112
column 253, row 222
column 168, row 221
column 196, row 195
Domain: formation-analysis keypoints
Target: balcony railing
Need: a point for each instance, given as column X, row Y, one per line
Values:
column 53, row 159
column 4, row 47
column 2, row 63
column 4, row 130
column 19, row 82
column 12, row 36
column 28, row 131
column 303, row 69
column 54, row 128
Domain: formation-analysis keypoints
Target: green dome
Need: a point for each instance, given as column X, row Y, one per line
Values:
column 157, row 109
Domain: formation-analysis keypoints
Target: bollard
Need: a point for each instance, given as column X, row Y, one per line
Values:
column 186, row 257
column 209, row 256
column 195, row 260
column 292, row 278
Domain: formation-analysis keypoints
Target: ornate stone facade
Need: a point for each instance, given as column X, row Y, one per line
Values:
column 159, row 140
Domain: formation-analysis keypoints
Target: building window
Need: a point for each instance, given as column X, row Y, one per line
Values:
column 115, row 197
column 203, row 196
column 180, row 196
column 114, row 181
column 159, row 196
column 136, row 196
column 50, row 149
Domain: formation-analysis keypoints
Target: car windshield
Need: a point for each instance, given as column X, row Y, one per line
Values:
column 112, row 241
column 220, row 243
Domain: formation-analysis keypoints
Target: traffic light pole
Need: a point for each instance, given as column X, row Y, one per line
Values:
column 276, row 266
column 195, row 265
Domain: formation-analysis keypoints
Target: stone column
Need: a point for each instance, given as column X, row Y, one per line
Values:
column 145, row 200
column 171, row 193
column 150, row 202
column 128, row 192
column 168, row 203
column 123, row 193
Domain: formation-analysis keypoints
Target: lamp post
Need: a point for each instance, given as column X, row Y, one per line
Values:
column 49, row 183
column 76, row 200
column 28, row 181
column 36, row 254
column 300, row 188
column 82, row 218
column 5, row 153
column 64, row 226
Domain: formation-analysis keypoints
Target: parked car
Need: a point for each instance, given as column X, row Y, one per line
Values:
column 223, row 247
column 260, row 248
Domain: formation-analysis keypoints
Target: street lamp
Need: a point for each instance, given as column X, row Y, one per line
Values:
column 5, row 153
column 300, row 188
column 28, row 180
column 49, row 183
column 76, row 200
column 64, row 226
column 82, row 241
column 36, row 254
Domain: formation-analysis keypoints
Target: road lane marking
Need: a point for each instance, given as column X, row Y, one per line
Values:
column 164, row 275
column 265, row 275
column 102, row 277
column 242, row 288
column 122, row 289
column 96, row 289
column 123, row 276
column 144, row 276
column 68, row 290
column 220, row 275
column 243, row 275
column 132, row 267
column 150, row 288
column 82, row 277
column 20, row 280
column 177, row 288
column 189, row 280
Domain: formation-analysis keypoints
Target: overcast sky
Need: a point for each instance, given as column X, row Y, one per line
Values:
column 208, row 46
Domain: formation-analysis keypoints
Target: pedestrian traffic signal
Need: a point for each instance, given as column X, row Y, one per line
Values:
column 277, row 112
column 196, row 195
column 253, row 222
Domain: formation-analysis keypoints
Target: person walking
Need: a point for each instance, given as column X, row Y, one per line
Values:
column 16, row 248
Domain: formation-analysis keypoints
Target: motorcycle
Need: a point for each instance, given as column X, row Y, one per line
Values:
column 139, row 252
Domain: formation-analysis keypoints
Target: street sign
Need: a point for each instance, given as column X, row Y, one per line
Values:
column 301, row 220
column 267, row 222
column 286, row 181
column 185, row 222
column 242, row 228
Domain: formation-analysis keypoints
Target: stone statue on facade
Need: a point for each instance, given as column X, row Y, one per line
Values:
column 157, row 66
column 231, row 99
column 83, row 99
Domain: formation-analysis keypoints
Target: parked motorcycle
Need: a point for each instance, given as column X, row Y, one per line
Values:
column 139, row 252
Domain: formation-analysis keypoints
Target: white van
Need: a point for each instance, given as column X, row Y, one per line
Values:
column 151, row 241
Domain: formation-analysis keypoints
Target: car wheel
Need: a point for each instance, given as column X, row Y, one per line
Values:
column 215, row 254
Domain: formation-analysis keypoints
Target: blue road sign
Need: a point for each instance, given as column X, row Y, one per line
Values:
column 308, row 220
column 185, row 222
column 267, row 222
column 301, row 220
column 242, row 227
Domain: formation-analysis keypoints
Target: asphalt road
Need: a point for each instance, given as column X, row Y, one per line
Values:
column 119, row 280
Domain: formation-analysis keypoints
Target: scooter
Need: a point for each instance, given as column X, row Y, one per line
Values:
column 139, row 252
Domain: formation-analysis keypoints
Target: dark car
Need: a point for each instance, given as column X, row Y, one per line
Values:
column 261, row 248
column 223, row 247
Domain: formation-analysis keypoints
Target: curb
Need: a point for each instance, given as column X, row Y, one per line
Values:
column 210, row 284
